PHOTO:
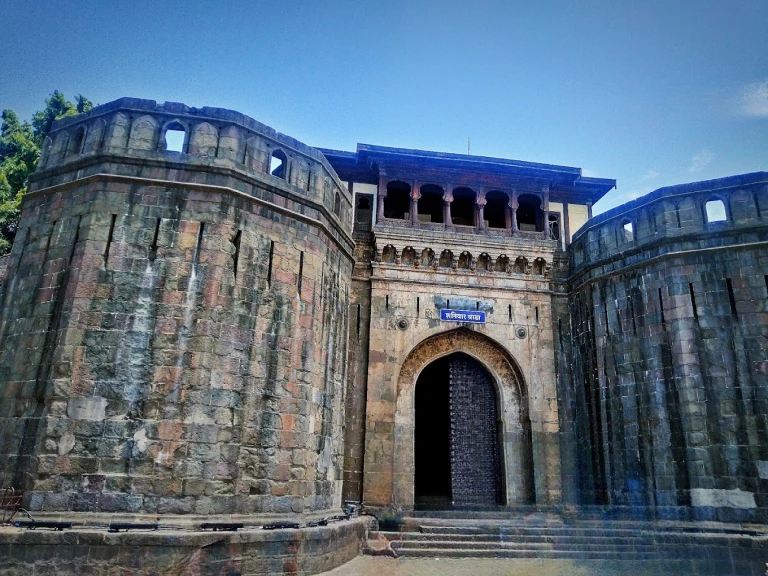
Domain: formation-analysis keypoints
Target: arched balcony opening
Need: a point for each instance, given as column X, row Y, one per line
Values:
column 521, row 265
column 539, row 265
column 427, row 257
column 483, row 262
column 408, row 257
column 463, row 207
column 465, row 260
column 389, row 254
column 530, row 217
column 431, row 204
column 502, row 263
column 446, row 259
column 397, row 204
column 496, row 209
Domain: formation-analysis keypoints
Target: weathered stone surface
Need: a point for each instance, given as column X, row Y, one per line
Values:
column 179, row 552
column 666, row 399
column 174, row 324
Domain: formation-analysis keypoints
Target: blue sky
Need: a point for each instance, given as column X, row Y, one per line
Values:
column 650, row 93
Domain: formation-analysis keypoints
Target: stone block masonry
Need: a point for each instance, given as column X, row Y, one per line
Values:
column 669, row 341
column 174, row 325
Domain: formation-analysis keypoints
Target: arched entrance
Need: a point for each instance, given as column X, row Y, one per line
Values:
column 457, row 445
column 420, row 365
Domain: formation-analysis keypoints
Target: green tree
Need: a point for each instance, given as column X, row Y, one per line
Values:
column 20, row 144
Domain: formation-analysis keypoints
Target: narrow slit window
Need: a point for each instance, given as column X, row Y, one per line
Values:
column 661, row 309
column 386, row 302
column 74, row 243
column 269, row 264
column 53, row 229
column 153, row 246
column 715, row 211
column 109, row 239
column 199, row 246
column 236, row 256
column 693, row 301
column 537, row 314
column 560, row 332
column 358, row 321
column 632, row 312
column 417, row 305
column 509, row 308
column 731, row 297
column 301, row 273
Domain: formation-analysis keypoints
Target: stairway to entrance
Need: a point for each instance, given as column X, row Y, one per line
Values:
column 708, row 547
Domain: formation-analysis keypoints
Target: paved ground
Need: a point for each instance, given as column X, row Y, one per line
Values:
column 378, row 566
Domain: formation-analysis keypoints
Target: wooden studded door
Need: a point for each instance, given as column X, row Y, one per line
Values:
column 475, row 461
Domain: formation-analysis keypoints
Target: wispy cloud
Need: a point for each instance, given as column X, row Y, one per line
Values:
column 754, row 99
column 652, row 174
column 701, row 161
column 615, row 197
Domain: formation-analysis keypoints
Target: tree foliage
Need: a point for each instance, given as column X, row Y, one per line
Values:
column 20, row 144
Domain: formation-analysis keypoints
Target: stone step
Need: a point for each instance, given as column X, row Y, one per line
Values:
column 542, row 539
column 472, row 545
column 525, row 553
column 567, row 546
column 646, row 531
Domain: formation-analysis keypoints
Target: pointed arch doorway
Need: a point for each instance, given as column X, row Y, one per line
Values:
column 458, row 443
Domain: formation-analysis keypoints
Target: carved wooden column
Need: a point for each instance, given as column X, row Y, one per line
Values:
column 480, row 202
column 508, row 215
column 513, row 212
column 415, row 195
column 545, row 211
column 447, row 200
column 382, row 194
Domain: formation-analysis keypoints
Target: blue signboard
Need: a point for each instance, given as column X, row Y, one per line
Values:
column 476, row 316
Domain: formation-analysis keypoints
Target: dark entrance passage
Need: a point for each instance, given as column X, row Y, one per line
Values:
column 457, row 448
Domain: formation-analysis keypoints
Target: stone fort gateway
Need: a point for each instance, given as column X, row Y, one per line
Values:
column 240, row 329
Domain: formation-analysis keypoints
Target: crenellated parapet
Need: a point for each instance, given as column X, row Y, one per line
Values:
column 697, row 215
column 233, row 148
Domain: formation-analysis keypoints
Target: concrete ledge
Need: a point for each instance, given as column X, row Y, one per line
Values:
column 252, row 551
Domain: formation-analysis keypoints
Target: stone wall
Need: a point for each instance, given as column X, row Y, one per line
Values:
column 174, row 325
column 414, row 274
column 357, row 379
column 182, row 553
column 668, row 393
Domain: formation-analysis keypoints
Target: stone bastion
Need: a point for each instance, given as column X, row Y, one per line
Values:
column 174, row 323
column 667, row 389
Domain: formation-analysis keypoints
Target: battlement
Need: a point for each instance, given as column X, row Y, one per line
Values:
column 214, row 140
column 708, row 211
